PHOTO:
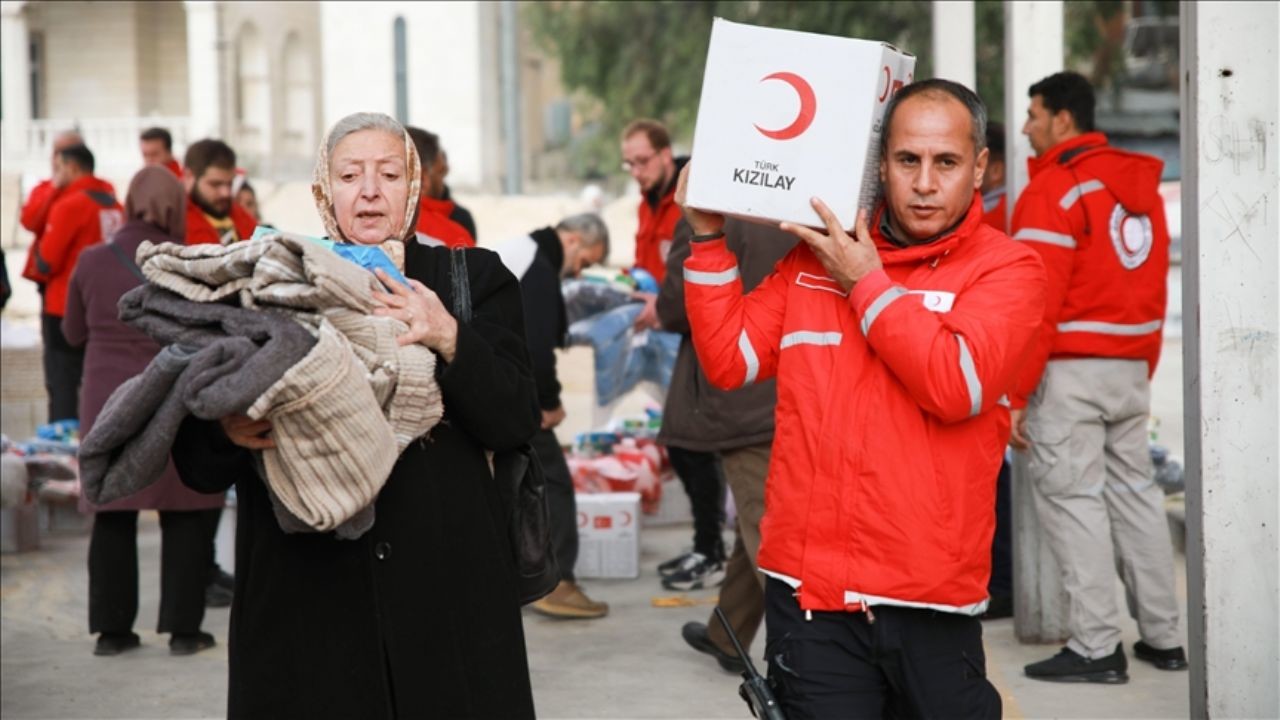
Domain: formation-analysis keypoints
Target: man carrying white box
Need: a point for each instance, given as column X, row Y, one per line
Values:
column 893, row 349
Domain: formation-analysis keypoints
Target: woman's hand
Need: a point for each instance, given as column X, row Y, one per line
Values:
column 247, row 432
column 420, row 308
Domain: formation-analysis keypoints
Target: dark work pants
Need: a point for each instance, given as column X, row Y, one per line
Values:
column 186, row 554
column 560, row 501
column 1001, row 583
column 908, row 663
column 704, row 482
column 63, row 366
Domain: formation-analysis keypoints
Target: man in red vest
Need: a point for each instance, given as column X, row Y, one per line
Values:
column 1095, row 216
column 435, row 224
column 647, row 156
column 157, row 149
column 84, row 213
column 212, row 214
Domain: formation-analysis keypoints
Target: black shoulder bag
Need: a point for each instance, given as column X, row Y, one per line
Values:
column 520, row 479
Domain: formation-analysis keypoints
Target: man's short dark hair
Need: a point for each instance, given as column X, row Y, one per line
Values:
column 936, row 89
column 995, row 140
column 1068, row 91
column 79, row 156
column 427, row 143
column 208, row 153
column 657, row 133
column 158, row 133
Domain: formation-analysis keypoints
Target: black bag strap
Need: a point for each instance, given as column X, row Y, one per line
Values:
column 461, row 283
column 127, row 261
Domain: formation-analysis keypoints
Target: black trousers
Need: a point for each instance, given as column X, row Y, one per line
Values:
column 908, row 663
column 186, row 554
column 560, row 501
column 1001, row 583
column 63, row 366
column 703, row 480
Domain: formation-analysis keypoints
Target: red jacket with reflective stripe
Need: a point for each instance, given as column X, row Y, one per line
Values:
column 890, row 422
column 83, row 214
column 1095, row 215
column 200, row 232
column 655, row 233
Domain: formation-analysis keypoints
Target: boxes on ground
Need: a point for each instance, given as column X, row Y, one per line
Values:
column 786, row 116
column 608, row 535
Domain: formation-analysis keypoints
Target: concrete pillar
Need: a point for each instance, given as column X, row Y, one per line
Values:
column 512, row 134
column 205, row 82
column 1230, row 206
column 954, row 57
column 15, row 61
column 1033, row 48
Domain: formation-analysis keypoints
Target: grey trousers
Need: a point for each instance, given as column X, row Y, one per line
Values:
column 1092, row 481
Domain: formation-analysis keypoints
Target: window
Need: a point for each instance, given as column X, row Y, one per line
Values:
column 402, row 70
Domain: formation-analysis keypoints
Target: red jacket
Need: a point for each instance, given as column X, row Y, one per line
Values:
column 1095, row 215
column 890, row 417
column 199, row 231
column 657, row 228
column 433, row 220
column 34, row 216
column 173, row 167
column 83, row 214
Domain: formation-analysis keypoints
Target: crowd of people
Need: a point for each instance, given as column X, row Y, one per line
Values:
column 855, row 389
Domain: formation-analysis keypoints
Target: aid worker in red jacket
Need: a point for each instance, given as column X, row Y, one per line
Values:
column 156, row 146
column 1094, row 214
column 35, row 211
column 647, row 156
column 212, row 214
column 893, row 351
column 84, row 213
column 436, row 225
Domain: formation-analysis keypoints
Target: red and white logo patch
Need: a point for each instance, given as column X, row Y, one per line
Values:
column 1131, row 237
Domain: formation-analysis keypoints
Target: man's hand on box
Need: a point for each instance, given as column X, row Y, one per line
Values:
column 848, row 259
column 702, row 222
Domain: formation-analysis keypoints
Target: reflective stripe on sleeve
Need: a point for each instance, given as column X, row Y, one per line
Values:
column 1108, row 328
column 970, row 372
column 1080, row 191
column 878, row 305
column 711, row 279
column 810, row 337
column 748, row 357
column 1046, row 236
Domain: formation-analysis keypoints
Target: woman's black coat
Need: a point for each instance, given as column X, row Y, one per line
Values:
column 419, row 617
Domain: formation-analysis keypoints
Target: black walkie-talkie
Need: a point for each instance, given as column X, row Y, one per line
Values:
column 755, row 691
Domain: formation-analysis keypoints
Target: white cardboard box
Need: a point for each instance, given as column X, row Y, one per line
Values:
column 608, row 535
column 786, row 116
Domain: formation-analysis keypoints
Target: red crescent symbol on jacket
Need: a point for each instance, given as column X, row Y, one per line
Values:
column 808, row 107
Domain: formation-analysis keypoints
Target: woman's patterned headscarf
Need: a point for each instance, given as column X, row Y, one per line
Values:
column 323, row 193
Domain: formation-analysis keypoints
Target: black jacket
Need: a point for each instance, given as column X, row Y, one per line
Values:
column 697, row 416
column 461, row 215
column 545, row 320
column 419, row 617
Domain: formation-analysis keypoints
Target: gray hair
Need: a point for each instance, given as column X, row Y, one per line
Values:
column 937, row 88
column 591, row 229
column 355, row 122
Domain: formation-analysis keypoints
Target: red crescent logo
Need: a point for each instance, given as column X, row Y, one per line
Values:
column 808, row 107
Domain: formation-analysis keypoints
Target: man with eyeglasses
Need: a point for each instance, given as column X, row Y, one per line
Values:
column 647, row 156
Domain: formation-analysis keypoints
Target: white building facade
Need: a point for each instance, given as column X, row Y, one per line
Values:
column 268, row 78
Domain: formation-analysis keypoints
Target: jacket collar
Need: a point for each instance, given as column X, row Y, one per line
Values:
column 86, row 182
column 432, row 205
column 892, row 254
column 1065, row 151
column 548, row 242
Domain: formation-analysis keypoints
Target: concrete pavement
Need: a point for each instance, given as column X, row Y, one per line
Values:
column 632, row 664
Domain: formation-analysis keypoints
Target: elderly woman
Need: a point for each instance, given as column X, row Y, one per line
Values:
column 418, row 617
column 114, row 352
